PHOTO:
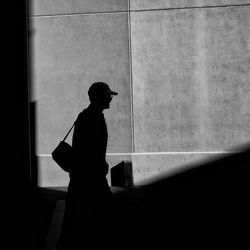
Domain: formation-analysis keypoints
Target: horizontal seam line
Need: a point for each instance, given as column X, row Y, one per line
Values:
column 77, row 14
column 162, row 153
column 194, row 7
column 126, row 11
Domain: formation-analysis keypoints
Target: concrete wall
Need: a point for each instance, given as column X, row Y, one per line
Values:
column 181, row 69
column 191, row 87
column 71, row 50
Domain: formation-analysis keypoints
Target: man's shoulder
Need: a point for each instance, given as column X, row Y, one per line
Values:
column 85, row 115
column 82, row 115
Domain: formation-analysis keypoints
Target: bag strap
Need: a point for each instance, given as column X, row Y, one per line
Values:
column 68, row 132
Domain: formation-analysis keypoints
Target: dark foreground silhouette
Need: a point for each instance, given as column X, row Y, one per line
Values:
column 204, row 206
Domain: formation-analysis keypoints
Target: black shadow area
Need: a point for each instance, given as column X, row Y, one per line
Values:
column 204, row 205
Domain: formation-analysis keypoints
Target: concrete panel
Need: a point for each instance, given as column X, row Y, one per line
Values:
column 148, row 168
column 191, row 79
column 70, row 53
column 161, row 4
column 228, row 77
column 51, row 175
column 45, row 7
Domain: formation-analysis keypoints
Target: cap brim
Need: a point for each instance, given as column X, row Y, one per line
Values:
column 113, row 93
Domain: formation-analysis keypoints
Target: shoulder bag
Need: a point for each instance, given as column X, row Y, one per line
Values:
column 63, row 154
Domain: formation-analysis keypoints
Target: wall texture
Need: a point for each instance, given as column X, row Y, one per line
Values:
column 181, row 69
column 191, row 88
column 71, row 51
column 171, row 4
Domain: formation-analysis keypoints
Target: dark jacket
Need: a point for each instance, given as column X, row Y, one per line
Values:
column 90, row 143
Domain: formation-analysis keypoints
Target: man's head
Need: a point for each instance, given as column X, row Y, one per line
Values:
column 100, row 94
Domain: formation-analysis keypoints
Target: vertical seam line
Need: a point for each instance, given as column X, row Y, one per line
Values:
column 131, row 78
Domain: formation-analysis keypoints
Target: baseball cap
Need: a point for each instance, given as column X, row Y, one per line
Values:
column 99, row 88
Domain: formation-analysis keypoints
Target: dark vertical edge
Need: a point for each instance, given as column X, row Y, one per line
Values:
column 21, row 194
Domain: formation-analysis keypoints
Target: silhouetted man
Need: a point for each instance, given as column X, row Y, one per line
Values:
column 89, row 196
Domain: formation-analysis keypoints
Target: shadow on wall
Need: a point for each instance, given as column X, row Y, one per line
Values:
column 206, row 204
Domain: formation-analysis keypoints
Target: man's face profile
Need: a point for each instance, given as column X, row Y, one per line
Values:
column 106, row 100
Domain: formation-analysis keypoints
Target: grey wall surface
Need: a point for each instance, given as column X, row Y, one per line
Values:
column 191, row 86
column 57, row 7
column 164, row 4
column 71, row 51
column 187, row 63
